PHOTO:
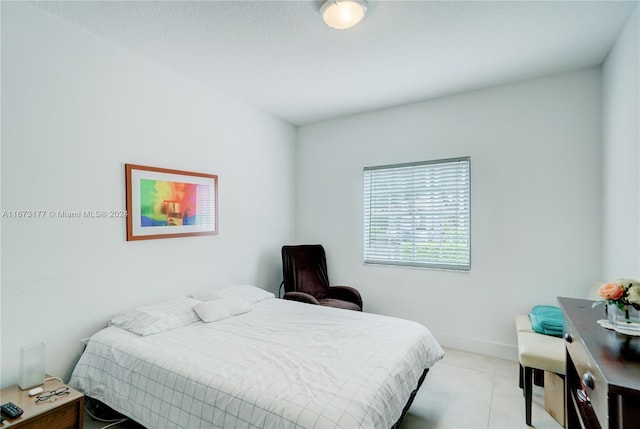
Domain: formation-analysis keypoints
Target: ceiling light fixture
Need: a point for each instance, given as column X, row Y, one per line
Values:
column 343, row 14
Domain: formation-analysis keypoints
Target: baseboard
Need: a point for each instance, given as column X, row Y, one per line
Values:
column 502, row 351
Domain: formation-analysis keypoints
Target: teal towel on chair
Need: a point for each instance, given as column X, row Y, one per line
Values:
column 547, row 319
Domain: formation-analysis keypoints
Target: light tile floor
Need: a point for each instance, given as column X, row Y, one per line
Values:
column 462, row 391
column 471, row 391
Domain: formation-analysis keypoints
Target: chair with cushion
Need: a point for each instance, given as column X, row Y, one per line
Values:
column 304, row 270
column 538, row 352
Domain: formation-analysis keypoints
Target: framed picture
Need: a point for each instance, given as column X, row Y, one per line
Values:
column 163, row 203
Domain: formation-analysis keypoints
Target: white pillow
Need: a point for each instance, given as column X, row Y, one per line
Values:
column 249, row 293
column 218, row 309
column 159, row 317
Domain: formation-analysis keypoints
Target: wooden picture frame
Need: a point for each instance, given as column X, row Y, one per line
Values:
column 165, row 203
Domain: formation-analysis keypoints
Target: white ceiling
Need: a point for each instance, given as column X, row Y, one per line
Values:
column 280, row 57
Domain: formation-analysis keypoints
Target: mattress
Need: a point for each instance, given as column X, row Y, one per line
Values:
column 284, row 364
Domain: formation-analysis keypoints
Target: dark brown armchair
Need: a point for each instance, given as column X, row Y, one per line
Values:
column 304, row 270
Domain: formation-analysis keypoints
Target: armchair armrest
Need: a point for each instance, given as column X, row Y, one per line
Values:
column 345, row 293
column 301, row 297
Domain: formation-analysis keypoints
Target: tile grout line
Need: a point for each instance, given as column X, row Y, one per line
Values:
column 493, row 387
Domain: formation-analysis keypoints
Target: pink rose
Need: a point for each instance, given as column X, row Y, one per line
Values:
column 611, row 291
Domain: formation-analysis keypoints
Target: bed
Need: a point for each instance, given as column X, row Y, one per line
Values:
column 270, row 364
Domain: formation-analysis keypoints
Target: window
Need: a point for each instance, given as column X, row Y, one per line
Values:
column 418, row 214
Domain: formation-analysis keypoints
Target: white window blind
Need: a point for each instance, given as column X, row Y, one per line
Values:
column 418, row 214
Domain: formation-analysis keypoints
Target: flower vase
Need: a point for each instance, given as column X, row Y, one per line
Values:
column 626, row 317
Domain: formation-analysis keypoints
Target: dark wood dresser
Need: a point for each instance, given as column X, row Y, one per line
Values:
column 602, row 385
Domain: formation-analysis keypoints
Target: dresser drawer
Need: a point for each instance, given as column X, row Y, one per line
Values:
column 591, row 378
column 67, row 416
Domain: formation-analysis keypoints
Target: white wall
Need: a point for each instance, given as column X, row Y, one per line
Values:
column 621, row 154
column 75, row 108
column 536, row 205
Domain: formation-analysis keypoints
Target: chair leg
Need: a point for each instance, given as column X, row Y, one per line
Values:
column 528, row 392
column 538, row 377
column 520, row 378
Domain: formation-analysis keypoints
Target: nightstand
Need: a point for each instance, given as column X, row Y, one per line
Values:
column 65, row 412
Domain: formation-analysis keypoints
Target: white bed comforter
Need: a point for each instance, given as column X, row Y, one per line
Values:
column 282, row 365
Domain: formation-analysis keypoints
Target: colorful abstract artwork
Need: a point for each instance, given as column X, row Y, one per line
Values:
column 163, row 203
